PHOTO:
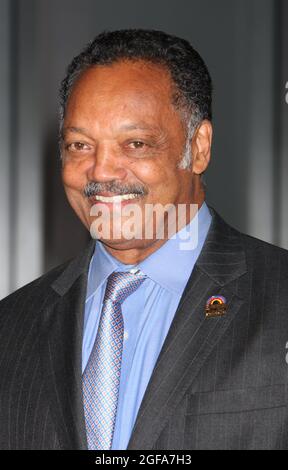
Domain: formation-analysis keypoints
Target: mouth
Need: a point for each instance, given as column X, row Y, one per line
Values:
column 113, row 199
column 116, row 198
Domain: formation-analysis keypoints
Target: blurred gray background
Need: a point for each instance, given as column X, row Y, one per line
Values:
column 245, row 45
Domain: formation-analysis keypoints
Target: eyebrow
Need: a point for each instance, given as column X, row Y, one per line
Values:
column 125, row 127
column 137, row 126
column 76, row 130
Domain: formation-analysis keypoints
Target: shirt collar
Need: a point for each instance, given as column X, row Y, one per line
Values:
column 101, row 266
column 170, row 266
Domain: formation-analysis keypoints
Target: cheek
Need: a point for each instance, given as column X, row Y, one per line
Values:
column 73, row 177
column 151, row 173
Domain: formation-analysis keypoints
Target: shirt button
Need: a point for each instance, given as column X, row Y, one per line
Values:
column 126, row 335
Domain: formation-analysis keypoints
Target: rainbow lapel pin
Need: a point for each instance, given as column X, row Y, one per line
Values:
column 216, row 306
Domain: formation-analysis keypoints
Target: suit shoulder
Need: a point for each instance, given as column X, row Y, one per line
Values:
column 266, row 261
column 256, row 246
column 39, row 286
column 41, row 291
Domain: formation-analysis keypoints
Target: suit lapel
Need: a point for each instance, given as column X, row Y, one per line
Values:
column 192, row 337
column 61, row 352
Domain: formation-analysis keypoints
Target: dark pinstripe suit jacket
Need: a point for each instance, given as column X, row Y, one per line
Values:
column 219, row 383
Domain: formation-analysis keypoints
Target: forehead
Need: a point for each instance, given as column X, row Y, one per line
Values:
column 125, row 87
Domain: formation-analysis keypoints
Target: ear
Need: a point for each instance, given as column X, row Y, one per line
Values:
column 201, row 147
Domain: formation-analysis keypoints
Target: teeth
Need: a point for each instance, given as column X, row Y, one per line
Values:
column 118, row 198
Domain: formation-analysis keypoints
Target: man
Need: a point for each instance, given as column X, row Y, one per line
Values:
column 146, row 341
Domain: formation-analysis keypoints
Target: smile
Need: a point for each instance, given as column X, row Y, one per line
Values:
column 117, row 198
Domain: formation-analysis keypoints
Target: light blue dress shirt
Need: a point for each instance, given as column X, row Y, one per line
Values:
column 147, row 313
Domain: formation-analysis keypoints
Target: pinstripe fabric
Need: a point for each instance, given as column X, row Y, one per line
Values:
column 219, row 383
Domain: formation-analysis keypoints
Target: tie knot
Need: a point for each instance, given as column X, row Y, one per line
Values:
column 122, row 284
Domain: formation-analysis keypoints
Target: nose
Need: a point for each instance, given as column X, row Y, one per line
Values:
column 106, row 165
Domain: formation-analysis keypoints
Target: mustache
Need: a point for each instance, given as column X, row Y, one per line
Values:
column 93, row 188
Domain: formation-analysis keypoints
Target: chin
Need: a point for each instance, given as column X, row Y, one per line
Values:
column 123, row 244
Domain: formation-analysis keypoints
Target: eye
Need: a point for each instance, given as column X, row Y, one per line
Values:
column 77, row 147
column 137, row 144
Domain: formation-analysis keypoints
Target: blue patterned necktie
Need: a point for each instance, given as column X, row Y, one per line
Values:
column 101, row 377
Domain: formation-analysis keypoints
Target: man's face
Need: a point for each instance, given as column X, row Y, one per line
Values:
column 121, row 130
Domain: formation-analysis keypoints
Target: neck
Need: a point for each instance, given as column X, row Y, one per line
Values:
column 132, row 252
